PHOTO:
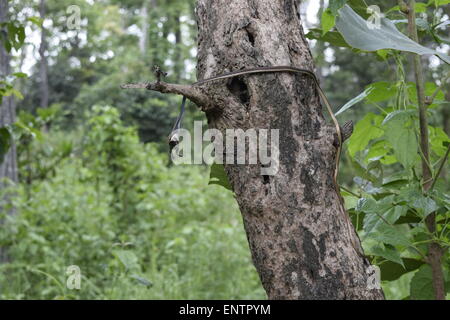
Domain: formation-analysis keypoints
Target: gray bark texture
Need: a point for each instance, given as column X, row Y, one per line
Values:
column 8, row 169
column 295, row 223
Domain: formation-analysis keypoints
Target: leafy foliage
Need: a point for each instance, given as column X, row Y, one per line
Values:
column 390, row 205
column 182, row 239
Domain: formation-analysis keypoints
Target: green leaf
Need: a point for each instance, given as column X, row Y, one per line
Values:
column 391, row 271
column 5, row 143
column 380, row 91
column 332, row 37
column 438, row 140
column 380, row 151
column 361, row 171
column 7, row 44
column 218, row 176
column 365, row 131
column 20, row 35
column 36, row 20
column 430, row 88
column 20, row 75
column 383, row 53
column 403, row 141
column 357, row 33
column 335, row 5
column 421, row 287
column 389, row 253
column 382, row 215
column 17, row 93
column 354, row 101
column 390, row 235
column 127, row 258
column 360, row 7
column 328, row 21
column 438, row 2
column 425, row 205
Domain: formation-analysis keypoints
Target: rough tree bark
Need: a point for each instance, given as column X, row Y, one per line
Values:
column 8, row 169
column 295, row 224
column 294, row 221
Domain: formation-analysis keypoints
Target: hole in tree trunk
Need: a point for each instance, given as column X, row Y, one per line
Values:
column 251, row 37
column 239, row 89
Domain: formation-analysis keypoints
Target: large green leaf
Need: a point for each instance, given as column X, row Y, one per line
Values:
column 381, row 91
column 439, row 141
column 327, row 20
column 381, row 151
column 390, row 235
column 360, row 7
column 422, row 284
column 389, row 253
column 392, row 271
column 332, row 37
column 381, row 214
column 335, row 5
column 366, row 130
column 128, row 259
column 403, row 141
column 424, row 205
column 357, row 33
column 438, row 2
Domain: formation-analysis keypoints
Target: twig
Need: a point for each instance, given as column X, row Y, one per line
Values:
column 444, row 161
column 350, row 192
column 193, row 93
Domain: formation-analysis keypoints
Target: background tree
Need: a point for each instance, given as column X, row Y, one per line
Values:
column 8, row 157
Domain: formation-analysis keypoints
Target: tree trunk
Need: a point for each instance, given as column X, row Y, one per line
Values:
column 43, row 66
column 143, row 41
column 8, row 169
column 178, row 61
column 295, row 224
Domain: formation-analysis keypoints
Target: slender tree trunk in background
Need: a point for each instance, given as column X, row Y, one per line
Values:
column 178, row 61
column 43, row 67
column 446, row 115
column 446, row 112
column 143, row 41
column 8, row 169
column 435, row 251
column 154, row 38
column 295, row 224
column 320, row 46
